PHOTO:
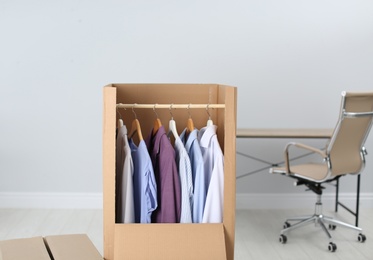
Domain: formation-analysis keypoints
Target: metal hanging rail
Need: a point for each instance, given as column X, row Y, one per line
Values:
column 170, row 106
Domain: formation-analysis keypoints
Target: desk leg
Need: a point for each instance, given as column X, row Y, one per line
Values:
column 357, row 201
column 336, row 195
column 337, row 203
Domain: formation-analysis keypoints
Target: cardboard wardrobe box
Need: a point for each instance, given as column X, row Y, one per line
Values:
column 61, row 247
column 170, row 241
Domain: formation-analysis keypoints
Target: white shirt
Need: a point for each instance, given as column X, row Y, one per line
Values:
column 214, row 171
column 186, row 181
column 124, row 172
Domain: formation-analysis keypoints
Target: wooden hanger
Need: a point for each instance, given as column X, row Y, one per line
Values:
column 135, row 127
column 157, row 122
column 190, row 124
column 157, row 125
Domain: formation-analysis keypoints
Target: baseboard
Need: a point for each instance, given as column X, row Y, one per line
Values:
column 297, row 200
column 243, row 201
column 52, row 200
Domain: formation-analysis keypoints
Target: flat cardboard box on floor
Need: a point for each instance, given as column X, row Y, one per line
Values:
column 24, row 248
column 213, row 241
column 61, row 247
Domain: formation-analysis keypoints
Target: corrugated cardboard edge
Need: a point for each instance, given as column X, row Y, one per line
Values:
column 24, row 248
column 108, row 166
column 230, row 125
column 72, row 247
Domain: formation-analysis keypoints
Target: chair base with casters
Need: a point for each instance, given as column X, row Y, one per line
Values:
column 319, row 219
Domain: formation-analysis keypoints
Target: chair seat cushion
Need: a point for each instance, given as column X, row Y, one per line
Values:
column 310, row 171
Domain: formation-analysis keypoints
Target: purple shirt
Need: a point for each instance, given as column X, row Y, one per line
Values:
column 162, row 155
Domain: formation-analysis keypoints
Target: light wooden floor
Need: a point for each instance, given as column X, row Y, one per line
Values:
column 257, row 232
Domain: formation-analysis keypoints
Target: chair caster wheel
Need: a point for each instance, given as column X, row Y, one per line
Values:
column 332, row 247
column 361, row 238
column 332, row 227
column 286, row 225
column 282, row 239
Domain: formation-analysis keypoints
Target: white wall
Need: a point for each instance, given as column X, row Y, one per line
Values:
column 289, row 59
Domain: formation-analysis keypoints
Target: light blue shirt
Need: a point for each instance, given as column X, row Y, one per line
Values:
column 185, row 173
column 193, row 149
column 144, row 184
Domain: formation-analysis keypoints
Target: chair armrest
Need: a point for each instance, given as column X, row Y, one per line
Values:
column 303, row 146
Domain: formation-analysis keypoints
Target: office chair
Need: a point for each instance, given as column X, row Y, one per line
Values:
column 344, row 154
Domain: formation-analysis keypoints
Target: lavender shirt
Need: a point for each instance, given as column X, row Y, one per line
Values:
column 144, row 184
column 162, row 155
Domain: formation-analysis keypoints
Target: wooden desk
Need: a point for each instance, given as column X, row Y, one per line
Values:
column 294, row 133
column 284, row 133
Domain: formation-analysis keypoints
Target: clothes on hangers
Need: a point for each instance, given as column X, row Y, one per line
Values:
column 213, row 159
column 193, row 149
column 144, row 183
column 167, row 178
column 183, row 183
column 125, row 209
column 186, row 182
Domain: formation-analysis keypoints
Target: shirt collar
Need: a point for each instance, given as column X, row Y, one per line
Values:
column 188, row 141
column 205, row 135
column 123, row 134
column 122, row 131
column 153, row 141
